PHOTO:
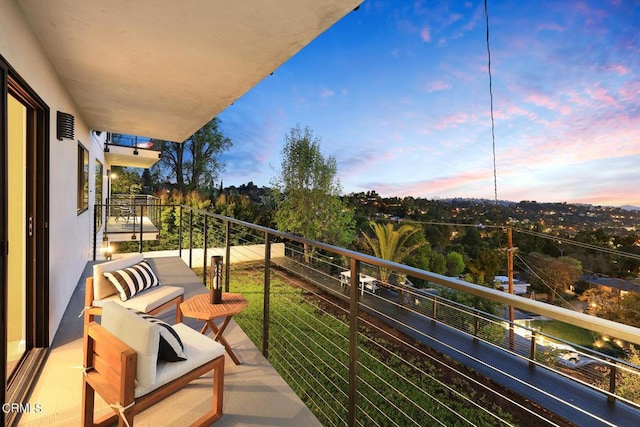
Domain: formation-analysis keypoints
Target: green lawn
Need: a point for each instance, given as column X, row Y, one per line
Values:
column 309, row 347
column 567, row 332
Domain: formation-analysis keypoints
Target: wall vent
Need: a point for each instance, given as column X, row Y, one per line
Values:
column 66, row 126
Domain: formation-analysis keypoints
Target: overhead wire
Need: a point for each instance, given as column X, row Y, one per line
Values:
column 493, row 133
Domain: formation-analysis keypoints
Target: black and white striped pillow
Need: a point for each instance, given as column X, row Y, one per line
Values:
column 131, row 280
column 171, row 348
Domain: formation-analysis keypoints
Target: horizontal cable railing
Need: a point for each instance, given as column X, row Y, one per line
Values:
column 133, row 142
column 417, row 357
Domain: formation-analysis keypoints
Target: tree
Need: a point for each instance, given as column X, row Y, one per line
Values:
column 455, row 264
column 483, row 268
column 307, row 193
column 125, row 181
column 554, row 274
column 612, row 306
column 390, row 244
column 195, row 163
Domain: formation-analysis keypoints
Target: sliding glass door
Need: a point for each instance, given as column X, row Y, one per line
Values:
column 17, row 233
column 24, row 237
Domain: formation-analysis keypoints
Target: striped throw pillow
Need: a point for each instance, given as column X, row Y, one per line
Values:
column 171, row 348
column 131, row 280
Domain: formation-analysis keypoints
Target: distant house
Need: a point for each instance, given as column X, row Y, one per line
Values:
column 610, row 284
column 519, row 287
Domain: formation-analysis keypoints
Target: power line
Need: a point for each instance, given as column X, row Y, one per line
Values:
column 493, row 133
column 530, row 232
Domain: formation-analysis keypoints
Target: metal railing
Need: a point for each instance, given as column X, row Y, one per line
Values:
column 390, row 354
column 132, row 141
column 133, row 215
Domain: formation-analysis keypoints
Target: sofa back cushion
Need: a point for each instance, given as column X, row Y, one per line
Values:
column 137, row 333
column 101, row 287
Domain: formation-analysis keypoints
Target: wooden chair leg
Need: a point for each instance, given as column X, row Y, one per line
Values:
column 218, row 394
column 178, row 311
column 88, row 404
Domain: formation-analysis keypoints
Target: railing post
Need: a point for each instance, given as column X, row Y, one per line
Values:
column 191, row 238
column 353, row 341
column 205, row 235
column 532, row 354
column 95, row 230
column 267, row 292
column 612, row 382
column 227, row 245
column 435, row 305
column 180, row 233
column 476, row 324
column 141, row 228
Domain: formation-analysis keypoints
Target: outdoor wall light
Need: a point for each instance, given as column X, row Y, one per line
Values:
column 107, row 251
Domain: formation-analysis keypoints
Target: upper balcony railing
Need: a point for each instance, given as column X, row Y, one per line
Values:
column 131, row 141
column 363, row 351
column 126, row 217
column 132, row 151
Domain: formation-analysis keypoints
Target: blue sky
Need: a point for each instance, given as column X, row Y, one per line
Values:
column 398, row 92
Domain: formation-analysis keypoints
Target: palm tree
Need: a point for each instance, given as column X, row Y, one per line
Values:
column 390, row 243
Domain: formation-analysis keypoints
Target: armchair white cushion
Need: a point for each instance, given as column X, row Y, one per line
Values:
column 144, row 336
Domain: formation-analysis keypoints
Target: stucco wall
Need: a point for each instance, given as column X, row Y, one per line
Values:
column 70, row 233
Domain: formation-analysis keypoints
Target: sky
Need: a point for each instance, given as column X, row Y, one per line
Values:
column 398, row 93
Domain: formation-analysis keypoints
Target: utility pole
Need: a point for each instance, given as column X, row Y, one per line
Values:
column 510, row 250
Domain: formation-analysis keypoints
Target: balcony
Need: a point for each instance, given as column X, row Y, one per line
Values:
column 131, row 151
column 126, row 218
column 399, row 356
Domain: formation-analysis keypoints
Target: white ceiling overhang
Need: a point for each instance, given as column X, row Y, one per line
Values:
column 162, row 69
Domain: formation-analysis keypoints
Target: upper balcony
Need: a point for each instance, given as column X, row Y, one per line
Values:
column 387, row 353
column 131, row 151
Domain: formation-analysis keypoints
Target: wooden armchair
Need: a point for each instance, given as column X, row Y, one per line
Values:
column 122, row 366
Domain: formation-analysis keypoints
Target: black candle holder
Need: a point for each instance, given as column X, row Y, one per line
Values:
column 215, row 281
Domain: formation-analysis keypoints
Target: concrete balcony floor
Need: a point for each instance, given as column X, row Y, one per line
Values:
column 254, row 393
column 121, row 229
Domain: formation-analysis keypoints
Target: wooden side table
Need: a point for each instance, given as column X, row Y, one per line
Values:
column 199, row 307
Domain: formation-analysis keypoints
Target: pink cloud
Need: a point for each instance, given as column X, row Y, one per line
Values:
column 437, row 186
column 623, row 70
column 601, row 95
column 438, row 86
column 453, row 120
column 629, row 91
column 455, row 17
column 513, row 111
column 548, row 103
column 425, row 35
column 551, row 27
column 326, row 93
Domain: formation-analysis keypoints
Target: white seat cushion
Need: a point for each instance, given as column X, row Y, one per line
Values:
column 144, row 301
column 199, row 349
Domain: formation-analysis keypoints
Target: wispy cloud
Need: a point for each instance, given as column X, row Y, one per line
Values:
column 425, row 34
column 326, row 93
column 438, row 86
column 454, row 120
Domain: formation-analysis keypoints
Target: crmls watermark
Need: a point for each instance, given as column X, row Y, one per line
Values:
column 21, row 408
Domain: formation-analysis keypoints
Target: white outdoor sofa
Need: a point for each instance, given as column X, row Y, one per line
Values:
column 154, row 300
